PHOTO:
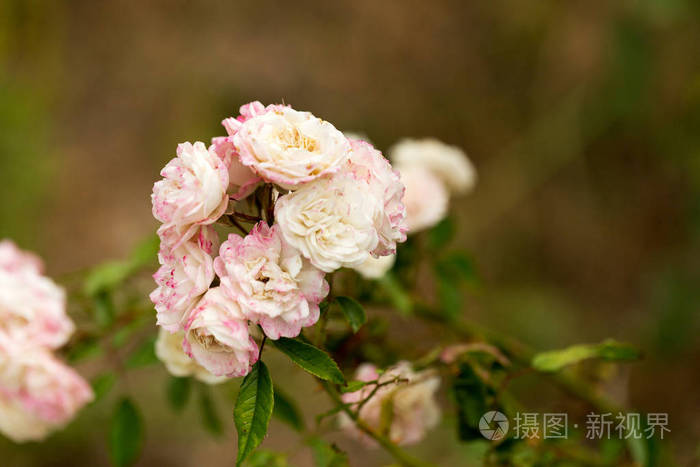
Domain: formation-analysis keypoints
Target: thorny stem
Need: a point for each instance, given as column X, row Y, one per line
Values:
column 397, row 453
column 238, row 226
column 270, row 205
column 320, row 336
column 376, row 388
column 246, row 217
column 231, row 221
column 262, row 346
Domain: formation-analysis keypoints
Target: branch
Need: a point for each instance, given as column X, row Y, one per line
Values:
column 523, row 354
column 397, row 453
column 246, row 217
column 377, row 386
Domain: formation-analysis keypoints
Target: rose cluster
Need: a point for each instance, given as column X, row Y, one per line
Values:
column 38, row 393
column 318, row 201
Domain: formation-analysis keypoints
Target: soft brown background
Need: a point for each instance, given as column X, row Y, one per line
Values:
column 583, row 119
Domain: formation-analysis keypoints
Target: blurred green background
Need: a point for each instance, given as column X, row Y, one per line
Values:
column 582, row 118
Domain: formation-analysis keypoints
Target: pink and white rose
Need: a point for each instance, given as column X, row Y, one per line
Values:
column 246, row 112
column 169, row 351
column 369, row 167
column 12, row 259
column 414, row 409
column 331, row 221
column 449, row 163
column 193, row 189
column 286, row 146
column 426, row 197
column 242, row 180
column 32, row 306
column 186, row 272
column 38, row 393
column 272, row 283
column 217, row 337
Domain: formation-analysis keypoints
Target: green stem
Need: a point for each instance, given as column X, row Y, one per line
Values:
column 246, row 217
column 397, row 453
column 320, row 336
column 262, row 346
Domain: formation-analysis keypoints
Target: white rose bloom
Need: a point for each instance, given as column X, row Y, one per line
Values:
column 449, row 163
column 169, row 351
column 426, row 197
column 331, row 221
column 288, row 147
column 376, row 268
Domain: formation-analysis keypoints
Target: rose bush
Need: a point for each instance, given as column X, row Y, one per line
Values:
column 258, row 236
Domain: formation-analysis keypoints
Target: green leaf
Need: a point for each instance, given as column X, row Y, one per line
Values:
column 104, row 309
column 253, row 410
column 178, row 391
column 327, row 455
column 645, row 451
column 144, row 355
column 126, row 434
column 312, row 359
column 638, row 451
column 353, row 312
column 102, row 383
column 353, row 386
column 145, row 252
column 287, row 411
column 608, row 350
column 210, row 417
column 266, row 458
column 106, row 277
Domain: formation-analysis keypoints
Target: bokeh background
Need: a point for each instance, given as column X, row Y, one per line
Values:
column 582, row 118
